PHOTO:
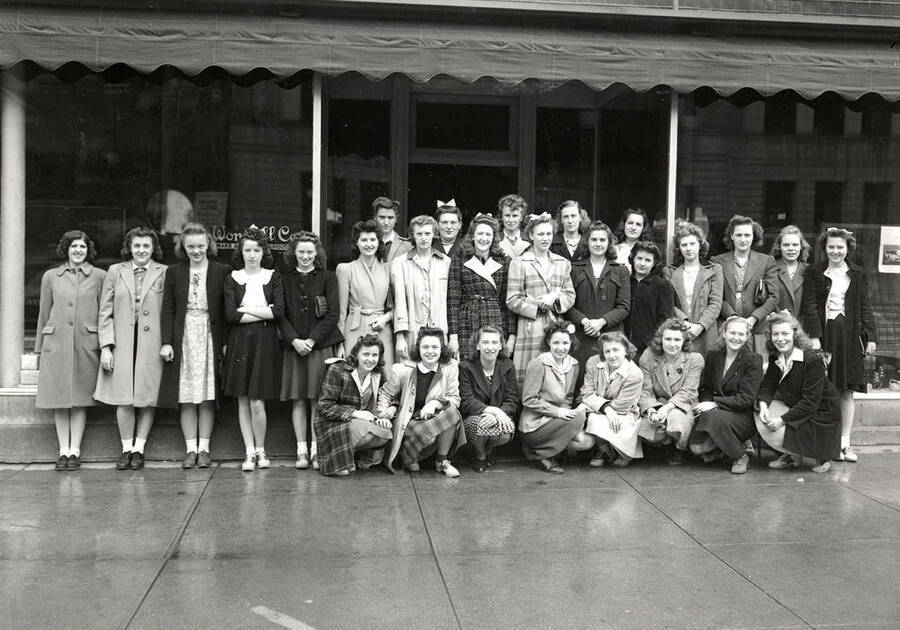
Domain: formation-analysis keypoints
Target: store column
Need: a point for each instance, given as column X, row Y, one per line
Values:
column 12, row 226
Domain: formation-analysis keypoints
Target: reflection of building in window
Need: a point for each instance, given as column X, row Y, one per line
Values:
column 828, row 202
column 875, row 202
column 778, row 202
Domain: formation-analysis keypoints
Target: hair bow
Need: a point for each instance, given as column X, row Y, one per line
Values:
column 441, row 204
column 571, row 327
column 545, row 216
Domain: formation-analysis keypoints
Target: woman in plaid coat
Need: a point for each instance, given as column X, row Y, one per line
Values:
column 476, row 295
column 346, row 422
column 539, row 291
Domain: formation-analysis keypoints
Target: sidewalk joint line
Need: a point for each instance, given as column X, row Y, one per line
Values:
column 173, row 545
column 713, row 553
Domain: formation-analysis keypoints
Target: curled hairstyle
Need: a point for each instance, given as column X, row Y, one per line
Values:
column 600, row 226
column 422, row 220
column 259, row 237
column 487, row 329
column 671, row 324
column 786, row 231
column 648, row 247
column 835, row 232
column 364, row 227
column 366, row 341
column 445, row 209
column 737, row 220
column 467, row 243
column 801, row 339
column 195, row 229
column 534, row 220
column 383, row 203
column 303, row 236
column 616, row 336
column 137, row 232
column 62, row 248
column 733, row 319
column 584, row 220
column 684, row 230
column 559, row 326
column 512, row 202
column 431, row 331
column 645, row 232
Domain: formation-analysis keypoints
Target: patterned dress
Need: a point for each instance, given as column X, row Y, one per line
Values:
column 528, row 282
column 197, row 379
column 476, row 297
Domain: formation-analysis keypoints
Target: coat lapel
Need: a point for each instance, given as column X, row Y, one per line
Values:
column 702, row 276
column 127, row 273
column 485, row 270
column 154, row 271
column 731, row 372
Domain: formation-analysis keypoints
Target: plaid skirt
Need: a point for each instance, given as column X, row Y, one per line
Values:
column 420, row 437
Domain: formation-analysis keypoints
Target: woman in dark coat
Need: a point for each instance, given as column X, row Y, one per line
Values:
column 837, row 315
column 602, row 294
column 652, row 296
column 476, row 293
column 790, row 251
column 728, row 388
column 799, row 412
column 571, row 240
column 192, row 325
column 489, row 396
column 309, row 332
column 346, row 422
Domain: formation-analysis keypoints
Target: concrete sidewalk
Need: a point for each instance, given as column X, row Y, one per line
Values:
column 649, row 546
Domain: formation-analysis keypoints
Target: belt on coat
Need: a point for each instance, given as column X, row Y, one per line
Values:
column 356, row 313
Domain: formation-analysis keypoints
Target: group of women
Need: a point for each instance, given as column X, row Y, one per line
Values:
column 574, row 337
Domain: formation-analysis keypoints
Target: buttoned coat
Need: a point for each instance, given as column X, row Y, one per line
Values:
column 813, row 420
column 758, row 267
column 608, row 297
column 621, row 389
column 790, row 291
column 395, row 248
column 652, row 303
column 67, row 337
column 476, row 296
column 476, row 393
column 735, row 389
column 559, row 247
column 400, row 390
column 526, row 285
column 174, row 310
column 679, row 389
column 301, row 320
column 705, row 305
column 137, row 370
column 420, row 300
column 339, row 399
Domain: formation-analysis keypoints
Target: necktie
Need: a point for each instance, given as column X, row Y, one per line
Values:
column 139, row 273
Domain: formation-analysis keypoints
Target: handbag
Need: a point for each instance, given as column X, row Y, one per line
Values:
column 760, row 294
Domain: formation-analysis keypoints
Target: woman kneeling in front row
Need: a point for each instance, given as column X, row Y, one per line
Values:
column 489, row 396
column 346, row 423
column 610, row 393
column 421, row 396
column 799, row 409
column 548, row 422
column 728, row 390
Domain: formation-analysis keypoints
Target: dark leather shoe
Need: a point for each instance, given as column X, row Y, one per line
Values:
column 74, row 462
column 189, row 461
column 491, row 460
column 61, row 463
column 124, row 461
column 203, row 460
column 137, row 461
column 479, row 465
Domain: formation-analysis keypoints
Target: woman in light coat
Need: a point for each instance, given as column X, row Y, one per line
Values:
column 130, row 341
column 421, row 397
column 67, row 343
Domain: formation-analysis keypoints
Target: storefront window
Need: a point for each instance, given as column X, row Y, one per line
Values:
column 785, row 161
column 106, row 154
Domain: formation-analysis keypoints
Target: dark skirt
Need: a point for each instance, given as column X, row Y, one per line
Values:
column 253, row 361
column 847, row 367
column 302, row 377
column 727, row 429
column 550, row 439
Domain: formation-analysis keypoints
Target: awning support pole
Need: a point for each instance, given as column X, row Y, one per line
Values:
column 318, row 212
column 12, row 227
column 672, row 174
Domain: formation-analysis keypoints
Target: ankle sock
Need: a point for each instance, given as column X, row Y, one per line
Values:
column 302, row 448
column 190, row 446
column 845, row 442
column 312, row 448
column 203, row 445
column 74, row 452
column 139, row 445
column 127, row 446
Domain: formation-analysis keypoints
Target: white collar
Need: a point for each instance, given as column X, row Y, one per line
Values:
column 365, row 382
column 796, row 355
column 423, row 370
